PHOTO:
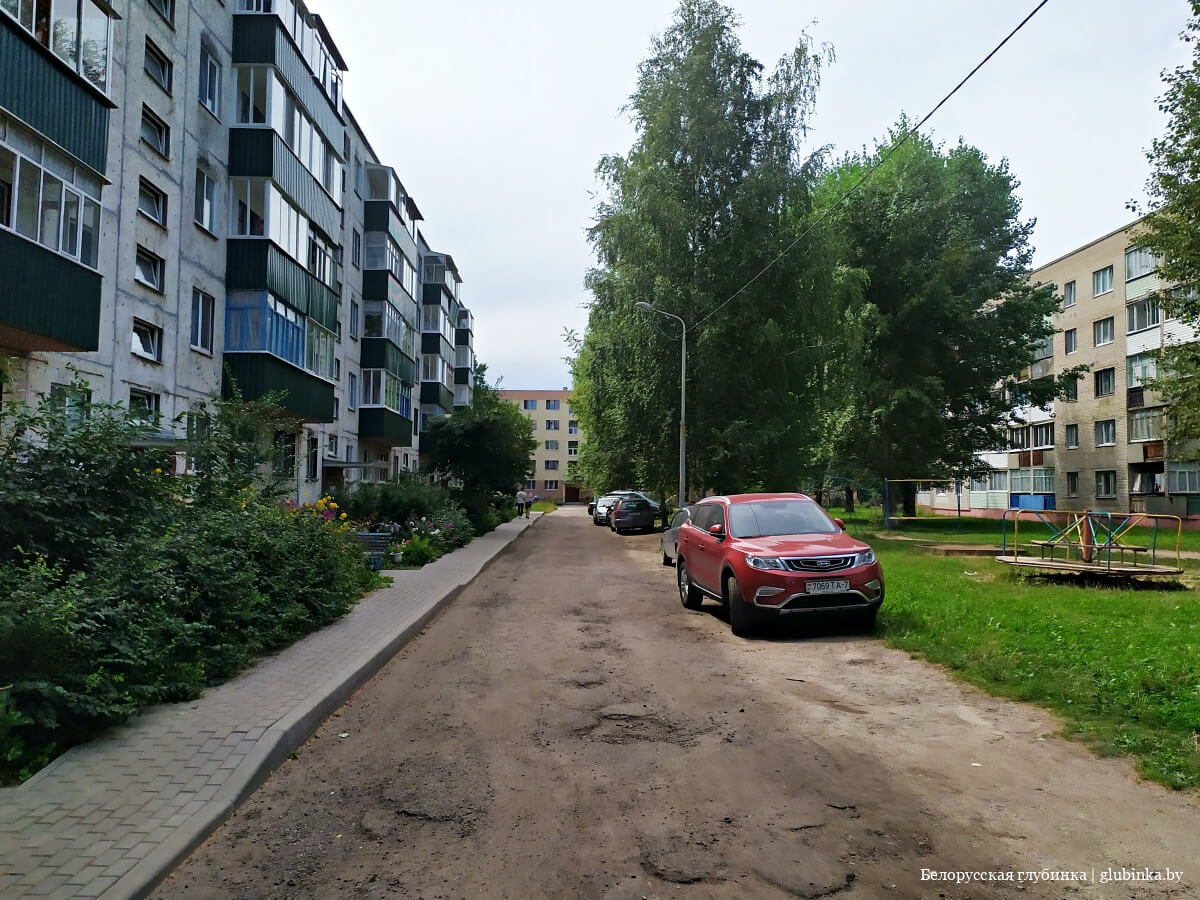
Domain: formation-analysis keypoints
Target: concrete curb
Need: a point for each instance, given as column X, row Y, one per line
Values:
column 278, row 742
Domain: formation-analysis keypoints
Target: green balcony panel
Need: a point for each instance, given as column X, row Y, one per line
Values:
column 42, row 92
column 380, row 215
column 261, row 153
column 47, row 302
column 437, row 393
column 462, row 337
column 257, row 265
column 256, row 374
column 381, row 353
column 375, row 423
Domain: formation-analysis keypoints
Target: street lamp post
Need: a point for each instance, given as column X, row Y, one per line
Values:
column 642, row 304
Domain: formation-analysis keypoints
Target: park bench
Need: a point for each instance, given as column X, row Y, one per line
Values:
column 375, row 546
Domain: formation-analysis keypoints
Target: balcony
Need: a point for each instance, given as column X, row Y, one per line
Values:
column 47, row 302
column 1135, row 398
column 255, row 264
column 255, row 375
column 378, row 423
column 434, row 393
column 382, row 353
column 464, row 358
column 463, row 394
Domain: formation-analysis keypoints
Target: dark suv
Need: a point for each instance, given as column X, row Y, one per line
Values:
column 773, row 555
column 632, row 514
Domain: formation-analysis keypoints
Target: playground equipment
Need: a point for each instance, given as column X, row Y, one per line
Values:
column 1090, row 541
column 888, row 483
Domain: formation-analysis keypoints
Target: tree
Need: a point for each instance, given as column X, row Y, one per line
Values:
column 713, row 189
column 948, row 309
column 487, row 446
column 1171, row 231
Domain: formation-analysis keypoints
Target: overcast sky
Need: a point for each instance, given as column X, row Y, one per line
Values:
column 515, row 103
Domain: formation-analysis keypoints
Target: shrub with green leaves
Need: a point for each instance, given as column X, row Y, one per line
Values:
column 418, row 550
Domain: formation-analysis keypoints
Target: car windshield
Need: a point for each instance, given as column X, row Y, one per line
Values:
column 633, row 505
column 770, row 517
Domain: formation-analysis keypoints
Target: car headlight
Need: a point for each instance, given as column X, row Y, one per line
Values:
column 865, row 558
column 765, row 562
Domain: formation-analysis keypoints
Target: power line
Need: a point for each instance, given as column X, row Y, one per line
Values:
column 872, row 169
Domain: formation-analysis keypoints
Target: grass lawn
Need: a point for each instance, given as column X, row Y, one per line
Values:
column 544, row 506
column 1121, row 665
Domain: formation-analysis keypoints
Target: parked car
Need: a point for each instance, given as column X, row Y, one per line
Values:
column 767, row 556
column 603, row 506
column 632, row 514
column 591, row 507
column 669, row 542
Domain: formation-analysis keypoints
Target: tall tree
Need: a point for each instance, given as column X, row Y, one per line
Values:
column 1171, row 231
column 949, row 311
column 713, row 189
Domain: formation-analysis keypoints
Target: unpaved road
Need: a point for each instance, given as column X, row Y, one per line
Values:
column 567, row 729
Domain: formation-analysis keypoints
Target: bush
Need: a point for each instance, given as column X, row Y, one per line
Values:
column 405, row 499
column 418, row 550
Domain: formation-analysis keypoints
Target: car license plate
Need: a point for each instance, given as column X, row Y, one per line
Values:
column 837, row 586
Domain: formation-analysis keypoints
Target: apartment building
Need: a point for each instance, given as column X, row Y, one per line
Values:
column 188, row 207
column 559, row 439
column 1102, row 447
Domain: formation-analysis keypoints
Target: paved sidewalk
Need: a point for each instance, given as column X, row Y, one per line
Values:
column 112, row 817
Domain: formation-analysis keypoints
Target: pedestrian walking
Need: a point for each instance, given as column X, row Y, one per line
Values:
column 522, row 504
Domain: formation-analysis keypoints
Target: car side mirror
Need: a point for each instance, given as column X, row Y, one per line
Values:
column 840, row 524
column 717, row 530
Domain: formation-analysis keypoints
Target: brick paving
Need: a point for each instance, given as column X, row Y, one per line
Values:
column 112, row 817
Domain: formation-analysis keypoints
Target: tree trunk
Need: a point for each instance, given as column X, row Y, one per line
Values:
column 910, row 499
column 848, row 498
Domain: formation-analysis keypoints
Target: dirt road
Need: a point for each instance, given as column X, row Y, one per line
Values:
column 567, row 729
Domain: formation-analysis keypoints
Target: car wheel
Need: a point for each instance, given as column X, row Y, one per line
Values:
column 689, row 594
column 667, row 560
column 596, row 522
column 741, row 617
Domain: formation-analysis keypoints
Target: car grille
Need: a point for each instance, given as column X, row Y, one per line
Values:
column 819, row 563
column 823, row 601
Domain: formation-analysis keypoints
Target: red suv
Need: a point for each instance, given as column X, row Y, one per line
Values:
column 772, row 555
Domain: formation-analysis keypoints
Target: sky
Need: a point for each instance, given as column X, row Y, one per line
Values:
column 495, row 115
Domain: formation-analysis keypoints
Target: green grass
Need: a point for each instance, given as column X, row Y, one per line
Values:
column 545, row 506
column 1121, row 665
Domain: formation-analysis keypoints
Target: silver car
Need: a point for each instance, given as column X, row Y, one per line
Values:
column 669, row 540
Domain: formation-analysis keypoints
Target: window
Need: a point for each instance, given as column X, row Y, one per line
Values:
column 77, row 33
column 337, row 410
column 1068, row 294
column 552, row 424
column 1018, row 438
column 143, row 404
column 158, row 66
column 1183, row 478
column 354, row 316
column 572, row 427
column 152, row 203
column 258, row 321
column 1043, row 436
column 551, row 465
column 150, row 270
column 203, row 310
column 285, row 452
column 155, row 133
column 356, row 248
column 1106, row 483
column 530, row 485
column 73, row 401
column 331, row 446
column 529, row 404
column 551, row 445
column 1072, row 437
column 1071, row 390
column 1106, row 432
column 310, row 458
column 1141, row 314
column 1145, row 425
column 1138, row 262
column 1072, row 484
column 210, row 82
column 1071, row 340
column 1140, row 369
column 1043, row 481
column 337, row 370
column 206, row 202
column 572, row 448
column 352, row 392
column 1020, row 481
column 1102, row 281
column 551, row 404
column 147, row 340
column 551, row 485
column 45, row 207
column 1105, row 382
column 1102, row 332
column 165, row 8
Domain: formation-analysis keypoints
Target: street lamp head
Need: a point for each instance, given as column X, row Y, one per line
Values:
column 642, row 304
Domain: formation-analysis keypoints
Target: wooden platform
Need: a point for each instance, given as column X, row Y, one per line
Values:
column 1097, row 568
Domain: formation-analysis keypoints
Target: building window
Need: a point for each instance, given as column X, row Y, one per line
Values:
column 551, row 404
column 165, row 8
column 155, row 133
column 1102, row 281
column 72, row 401
column 529, row 404
column 1138, row 262
column 45, row 207
column 1043, row 436
column 354, row 316
column 1141, row 314
column 1018, row 438
column 530, row 485
column 572, row 448
column 1183, row 478
column 210, row 82
column 206, row 202
column 1068, row 294
column 1072, row 437
column 550, row 465
column 144, row 405
column 1071, row 340
column 285, row 452
column 572, row 427
column 1145, row 425
column 1105, row 382
column 150, row 270
column 203, row 313
column 258, row 322
column 1106, row 483
column 1140, row 369
column 147, row 340
column 1043, row 481
column 158, row 66
column 1106, row 433
column 1072, row 484
column 152, row 203
column 337, row 409
column 356, row 248
column 331, row 446
column 310, row 458
column 551, row 445
column 552, row 424
column 77, row 33
column 551, row 485
column 337, row 370
column 1071, row 390
column 1103, row 332
column 352, row 392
